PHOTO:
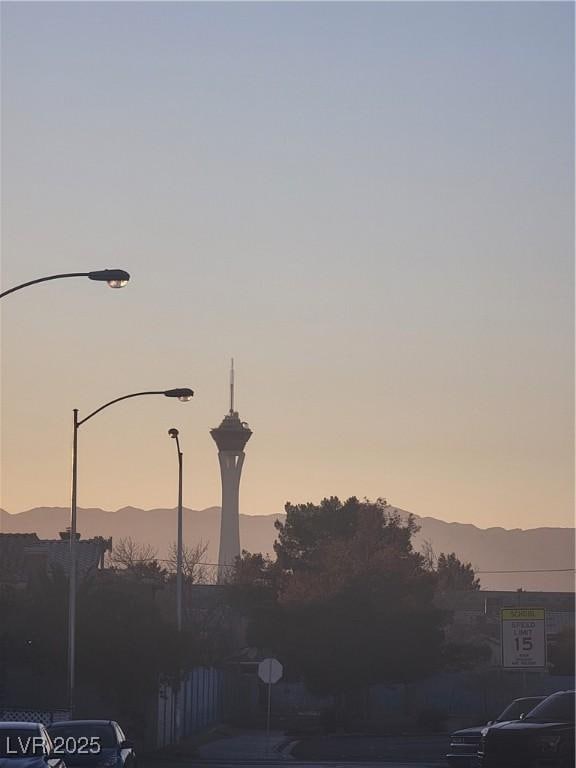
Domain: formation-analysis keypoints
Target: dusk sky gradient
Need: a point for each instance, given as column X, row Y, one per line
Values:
column 368, row 205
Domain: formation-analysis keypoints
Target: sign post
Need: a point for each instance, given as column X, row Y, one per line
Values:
column 523, row 638
column 269, row 671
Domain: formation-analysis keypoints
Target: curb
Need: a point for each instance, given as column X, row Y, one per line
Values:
column 284, row 749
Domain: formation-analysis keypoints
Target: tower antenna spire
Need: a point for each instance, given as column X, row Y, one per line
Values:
column 232, row 385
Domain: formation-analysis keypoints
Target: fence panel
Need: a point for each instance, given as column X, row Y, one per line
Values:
column 33, row 715
column 202, row 700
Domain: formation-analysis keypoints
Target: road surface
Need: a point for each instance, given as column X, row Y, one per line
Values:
column 253, row 749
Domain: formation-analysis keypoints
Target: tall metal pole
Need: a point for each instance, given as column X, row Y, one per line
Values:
column 177, row 687
column 269, row 706
column 179, row 544
column 184, row 394
column 72, row 574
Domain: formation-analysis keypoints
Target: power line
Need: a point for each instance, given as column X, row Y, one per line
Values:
column 535, row 570
column 219, row 565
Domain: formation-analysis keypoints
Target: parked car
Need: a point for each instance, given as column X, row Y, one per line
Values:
column 464, row 744
column 27, row 745
column 543, row 739
column 92, row 744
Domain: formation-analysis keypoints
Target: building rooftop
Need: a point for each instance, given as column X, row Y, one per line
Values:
column 22, row 554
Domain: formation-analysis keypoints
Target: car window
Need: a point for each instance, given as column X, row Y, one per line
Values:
column 119, row 733
column 556, row 708
column 21, row 742
column 516, row 708
column 48, row 746
column 69, row 732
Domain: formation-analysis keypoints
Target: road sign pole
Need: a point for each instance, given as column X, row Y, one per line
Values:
column 269, row 671
column 269, row 706
column 269, row 710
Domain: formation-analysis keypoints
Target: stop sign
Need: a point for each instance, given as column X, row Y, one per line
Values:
column 270, row 670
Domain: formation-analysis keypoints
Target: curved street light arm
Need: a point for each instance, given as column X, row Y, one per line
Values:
column 117, row 400
column 116, row 278
column 42, row 280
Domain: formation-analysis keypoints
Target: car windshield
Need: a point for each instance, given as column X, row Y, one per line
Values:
column 20, row 742
column 68, row 734
column 556, row 708
column 514, row 710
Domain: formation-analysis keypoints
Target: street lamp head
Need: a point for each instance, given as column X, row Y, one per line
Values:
column 173, row 432
column 116, row 278
column 183, row 394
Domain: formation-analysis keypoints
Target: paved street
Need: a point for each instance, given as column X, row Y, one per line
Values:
column 253, row 748
column 347, row 747
column 248, row 747
column 298, row 764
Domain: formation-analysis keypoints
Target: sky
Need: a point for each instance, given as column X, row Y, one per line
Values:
column 368, row 205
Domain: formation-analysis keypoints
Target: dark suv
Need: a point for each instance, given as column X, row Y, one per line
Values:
column 543, row 739
column 464, row 744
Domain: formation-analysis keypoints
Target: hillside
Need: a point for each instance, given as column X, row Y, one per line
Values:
column 492, row 549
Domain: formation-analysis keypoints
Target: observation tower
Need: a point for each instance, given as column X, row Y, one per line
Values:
column 230, row 437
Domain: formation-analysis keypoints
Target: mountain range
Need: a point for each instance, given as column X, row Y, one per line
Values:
column 544, row 551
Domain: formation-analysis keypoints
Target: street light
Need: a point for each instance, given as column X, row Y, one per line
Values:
column 116, row 278
column 174, row 434
column 183, row 394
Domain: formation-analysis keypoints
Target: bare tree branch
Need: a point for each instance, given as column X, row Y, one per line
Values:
column 429, row 556
column 128, row 553
column 194, row 566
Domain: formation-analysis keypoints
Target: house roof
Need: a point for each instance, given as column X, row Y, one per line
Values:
column 18, row 552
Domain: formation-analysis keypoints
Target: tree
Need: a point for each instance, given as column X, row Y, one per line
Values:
column 194, row 567
column 453, row 574
column 348, row 602
column 33, row 626
column 125, row 643
column 253, row 590
column 138, row 561
column 128, row 553
column 358, row 606
column 428, row 555
column 309, row 527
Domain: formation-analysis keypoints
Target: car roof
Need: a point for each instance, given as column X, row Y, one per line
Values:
column 83, row 722
column 23, row 725
column 558, row 693
column 531, row 698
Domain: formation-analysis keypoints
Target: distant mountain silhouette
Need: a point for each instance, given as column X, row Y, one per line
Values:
column 492, row 549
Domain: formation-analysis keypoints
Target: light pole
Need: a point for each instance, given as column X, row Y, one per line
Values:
column 177, row 698
column 182, row 394
column 116, row 278
column 174, row 434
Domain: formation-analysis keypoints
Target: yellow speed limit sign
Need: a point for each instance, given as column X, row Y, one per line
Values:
column 523, row 638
